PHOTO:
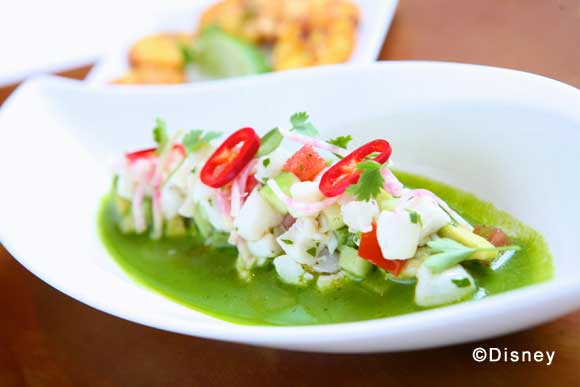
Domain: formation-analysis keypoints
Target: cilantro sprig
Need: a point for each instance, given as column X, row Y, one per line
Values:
column 196, row 139
column 301, row 124
column 341, row 141
column 449, row 253
column 193, row 141
column 370, row 183
column 160, row 135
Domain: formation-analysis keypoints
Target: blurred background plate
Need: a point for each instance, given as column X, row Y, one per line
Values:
column 376, row 18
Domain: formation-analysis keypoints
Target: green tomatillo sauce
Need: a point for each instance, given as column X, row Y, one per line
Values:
column 205, row 278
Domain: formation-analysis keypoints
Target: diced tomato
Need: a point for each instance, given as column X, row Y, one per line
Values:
column 370, row 250
column 230, row 158
column 495, row 235
column 344, row 173
column 305, row 163
column 150, row 153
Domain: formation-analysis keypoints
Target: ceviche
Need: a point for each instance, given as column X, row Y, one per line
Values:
column 290, row 228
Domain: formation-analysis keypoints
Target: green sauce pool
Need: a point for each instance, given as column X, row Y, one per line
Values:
column 205, row 278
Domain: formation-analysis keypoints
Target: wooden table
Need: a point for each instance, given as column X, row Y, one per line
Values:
column 48, row 339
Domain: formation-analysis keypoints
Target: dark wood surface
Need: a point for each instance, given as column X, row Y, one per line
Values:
column 48, row 339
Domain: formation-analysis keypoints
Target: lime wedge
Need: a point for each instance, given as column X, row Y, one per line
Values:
column 221, row 55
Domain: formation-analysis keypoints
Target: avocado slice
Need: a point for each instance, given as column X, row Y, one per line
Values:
column 175, row 228
column 469, row 239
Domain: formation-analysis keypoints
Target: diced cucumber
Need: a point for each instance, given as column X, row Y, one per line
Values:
column 469, row 239
column 284, row 181
column 122, row 205
column 387, row 202
column 175, row 228
column 332, row 218
column 352, row 263
column 222, row 55
column 201, row 222
column 126, row 224
column 347, row 238
column 331, row 281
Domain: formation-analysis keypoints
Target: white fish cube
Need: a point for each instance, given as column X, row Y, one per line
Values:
column 256, row 217
column 300, row 239
column 451, row 285
column 397, row 235
column 432, row 216
column 359, row 215
column 291, row 271
column 306, row 192
column 265, row 247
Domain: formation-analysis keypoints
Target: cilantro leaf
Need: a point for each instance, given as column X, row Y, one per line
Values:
column 461, row 282
column 269, row 142
column 266, row 162
column 370, row 183
column 449, row 253
column 288, row 241
column 312, row 251
column 341, row 141
column 415, row 217
column 197, row 139
column 160, row 135
column 301, row 124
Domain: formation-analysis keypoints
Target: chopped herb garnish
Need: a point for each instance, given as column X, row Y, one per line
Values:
column 266, row 162
column 449, row 252
column 462, row 282
column 269, row 142
column 288, row 241
column 301, row 124
column 160, row 135
column 415, row 217
column 341, row 141
column 312, row 251
column 197, row 139
column 371, row 181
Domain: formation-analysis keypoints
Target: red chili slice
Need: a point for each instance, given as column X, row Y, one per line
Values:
column 251, row 182
column 370, row 250
column 150, row 153
column 230, row 158
column 344, row 173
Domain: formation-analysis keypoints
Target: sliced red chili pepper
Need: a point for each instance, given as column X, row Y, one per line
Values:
column 150, row 153
column 344, row 173
column 370, row 250
column 230, row 158
column 251, row 182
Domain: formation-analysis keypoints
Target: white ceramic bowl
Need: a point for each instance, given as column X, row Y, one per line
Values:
column 510, row 137
column 376, row 18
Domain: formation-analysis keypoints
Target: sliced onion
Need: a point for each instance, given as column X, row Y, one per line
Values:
column 392, row 184
column 313, row 142
column 137, row 202
column 302, row 208
column 224, row 206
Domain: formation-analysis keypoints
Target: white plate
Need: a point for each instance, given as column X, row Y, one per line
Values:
column 376, row 17
column 509, row 136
